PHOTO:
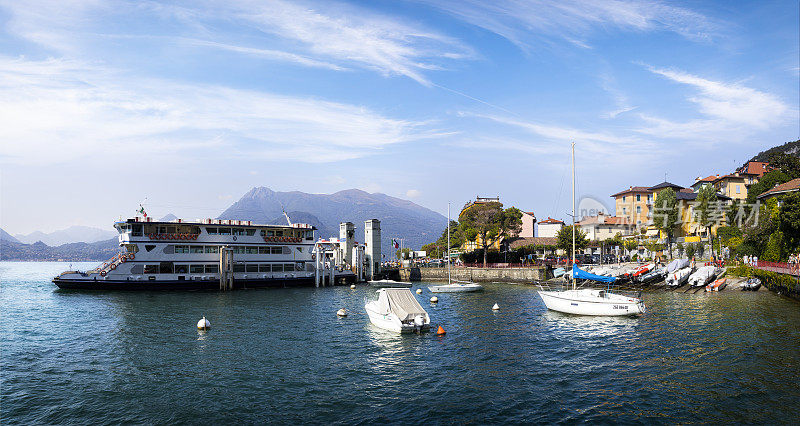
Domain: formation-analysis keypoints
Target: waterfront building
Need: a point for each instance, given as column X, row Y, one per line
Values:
column 602, row 227
column 540, row 246
column 752, row 171
column 634, row 204
column 732, row 185
column 528, row 225
column 782, row 189
column 549, row 227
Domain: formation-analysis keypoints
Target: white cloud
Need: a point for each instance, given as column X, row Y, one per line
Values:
column 575, row 20
column 327, row 35
column 413, row 193
column 57, row 110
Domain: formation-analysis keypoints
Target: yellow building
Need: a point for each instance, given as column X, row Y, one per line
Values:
column 478, row 242
column 633, row 205
column 733, row 185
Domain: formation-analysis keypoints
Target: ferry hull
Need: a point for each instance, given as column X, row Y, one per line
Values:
column 161, row 285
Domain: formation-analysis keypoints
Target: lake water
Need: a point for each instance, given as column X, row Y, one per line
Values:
column 283, row 356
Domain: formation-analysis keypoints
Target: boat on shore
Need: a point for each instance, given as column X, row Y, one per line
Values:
column 752, row 284
column 396, row 309
column 679, row 277
column 702, row 276
column 717, row 285
column 655, row 275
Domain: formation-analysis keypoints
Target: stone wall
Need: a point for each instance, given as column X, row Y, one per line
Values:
column 479, row 274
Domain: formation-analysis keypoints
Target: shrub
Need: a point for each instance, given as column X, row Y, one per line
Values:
column 772, row 280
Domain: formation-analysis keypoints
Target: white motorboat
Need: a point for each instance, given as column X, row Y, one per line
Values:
column 752, row 284
column 396, row 309
column 453, row 286
column 390, row 284
column 702, row 276
column 588, row 301
column 679, row 277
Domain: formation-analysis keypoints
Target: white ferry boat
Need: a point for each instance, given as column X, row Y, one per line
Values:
column 208, row 254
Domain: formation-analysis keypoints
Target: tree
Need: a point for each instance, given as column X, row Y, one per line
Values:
column 564, row 239
column 399, row 252
column 767, row 182
column 439, row 247
column 788, row 164
column 679, row 247
column 690, row 250
column 790, row 221
column 488, row 222
column 666, row 217
column 773, row 250
column 706, row 210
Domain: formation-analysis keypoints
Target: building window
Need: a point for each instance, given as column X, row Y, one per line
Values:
column 738, row 189
column 624, row 210
column 649, row 198
column 638, row 209
column 638, row 197
column 623, row 198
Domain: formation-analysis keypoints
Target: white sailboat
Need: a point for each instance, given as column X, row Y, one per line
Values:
column 453, row 286
column 589, row 301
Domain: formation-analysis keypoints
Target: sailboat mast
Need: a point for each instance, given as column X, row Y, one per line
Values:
column 573, row 214
column 448, row 243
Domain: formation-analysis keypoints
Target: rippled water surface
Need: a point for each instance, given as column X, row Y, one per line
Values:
column 284, row 356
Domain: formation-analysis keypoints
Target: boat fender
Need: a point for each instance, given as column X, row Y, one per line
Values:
column 352, row 286
column 102, row 273
column 496, row 307
column 419, row 291
column 342, row 312
column 203, row 324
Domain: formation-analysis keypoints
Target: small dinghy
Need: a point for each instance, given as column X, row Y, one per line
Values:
column 642, row 270
column 751, row 284
column 679, row 277
column 717, row 285
column 702, row 276
column 396, row 309
column 653, row 276
column 390, row 284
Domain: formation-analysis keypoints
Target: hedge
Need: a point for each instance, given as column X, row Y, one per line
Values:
column 774, row 281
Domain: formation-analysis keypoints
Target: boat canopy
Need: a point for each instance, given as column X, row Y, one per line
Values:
column 579, row 273
column 677, row 264
column 401, row 302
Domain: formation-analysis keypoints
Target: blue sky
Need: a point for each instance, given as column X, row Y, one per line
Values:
column 190, row 104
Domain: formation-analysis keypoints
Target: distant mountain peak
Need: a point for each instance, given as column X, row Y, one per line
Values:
column 168, row 218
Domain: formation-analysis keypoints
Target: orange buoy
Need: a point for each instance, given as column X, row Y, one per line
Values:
column 440, row 331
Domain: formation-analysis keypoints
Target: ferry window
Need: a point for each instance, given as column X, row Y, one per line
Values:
column 137, row 230
column 195, row 230
column 299, row 266
column 263, row 250
column 171, row 230
column 212, row 249
column 278, row 233
column 196, row 269
column 212, row 269
column 288, row 267
column 165, row 268
column 132, row 248
column 263, row 232
column 181, row 269
column 238, row 231
column 162, row 229
column 277, row 267
column 270, row 233
column 211, row 231
column 299, row 249
column 251, row 250
column 224, row 231
column 263, row 268
column 250, row 231
column 150, row 269
column 252, row 267
column 239, row 267
column 276, row 250
column 196, row 249
column 181, row 249
column 149, row 247
column 238, row 250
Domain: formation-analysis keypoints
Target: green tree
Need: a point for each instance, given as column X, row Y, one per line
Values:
column 399, row 252
column 773, row 250
column 733, row 210
column 788, row 164
column 489, row 222
column 790, row 221
column 706, row 208
column 690, row 249
column 767, row 182
column 439, row 247
column 666, row 214
column 679, row 248
column 564, row 239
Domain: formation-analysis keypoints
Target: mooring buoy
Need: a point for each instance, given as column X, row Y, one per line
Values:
column 342, row 312
column 440, row 331
column 434, row 299
column 203, row 324
column 419, row 291
column 352, row 286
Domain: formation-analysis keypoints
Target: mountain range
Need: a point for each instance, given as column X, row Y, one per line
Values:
column 73, row 234
column 399, row 218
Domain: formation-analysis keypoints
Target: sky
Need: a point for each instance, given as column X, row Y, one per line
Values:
column 186, row 105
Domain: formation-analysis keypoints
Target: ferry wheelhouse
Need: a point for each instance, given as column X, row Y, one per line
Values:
column 207, row 254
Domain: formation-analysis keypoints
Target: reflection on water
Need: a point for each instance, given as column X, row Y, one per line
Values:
column 284, row 356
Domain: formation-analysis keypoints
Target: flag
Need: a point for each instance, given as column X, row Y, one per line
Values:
column 395, row 243
column 141, row 210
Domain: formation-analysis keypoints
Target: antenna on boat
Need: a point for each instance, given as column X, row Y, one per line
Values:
column 286, row 215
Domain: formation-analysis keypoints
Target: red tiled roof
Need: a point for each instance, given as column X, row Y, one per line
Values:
column 551, row 220
column 607, row 220
column 686, row 190
column 633, row 189
column 791, row 186
column 530, row 213
column 711, row 178
column 757, row 168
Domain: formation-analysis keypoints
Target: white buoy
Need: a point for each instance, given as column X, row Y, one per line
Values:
column 496, row 307
column 352, row 286
column 434, row 299
column 342, row 312
column 203, row 324
column 419, row 291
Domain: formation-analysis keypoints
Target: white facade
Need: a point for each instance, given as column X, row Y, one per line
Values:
column 347, row 236
column 372, row 253
column 549, row 228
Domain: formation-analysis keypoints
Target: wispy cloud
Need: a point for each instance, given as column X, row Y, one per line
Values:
column 57, row 111
column 525, row 22
column 727, row 108
column 329, row 35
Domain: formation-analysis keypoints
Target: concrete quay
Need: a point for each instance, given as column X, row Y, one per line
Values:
column 520, row 275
